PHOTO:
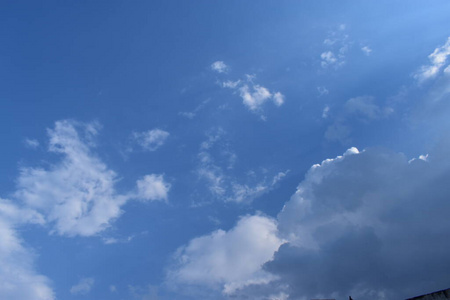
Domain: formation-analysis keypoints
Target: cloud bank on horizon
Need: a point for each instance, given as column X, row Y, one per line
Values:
column 299, row 155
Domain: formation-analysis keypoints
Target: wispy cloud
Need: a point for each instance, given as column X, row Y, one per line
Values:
column 192, row 114
column 31, row 143
column 217, row 173
column 83, row 287
column 438, row 60
column 18, row 277
column 366, row 50
column 337, row 45
column 150, row 140
column 360, row 109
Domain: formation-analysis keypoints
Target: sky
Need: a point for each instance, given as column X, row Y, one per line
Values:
column 267, row 150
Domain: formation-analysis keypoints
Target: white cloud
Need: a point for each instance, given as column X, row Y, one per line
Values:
column 219, row 66
column 438, row 60
column 152, row 139
column 217, row 172
column 83, row 287
column 228, row 260
column 192, row 114
column 367, row 51
column 337, row 45
column 231, row 84
column 152, row 187
column 325, row 112
column 278, row 99
column 253, row 95
column 77, row 195
column 18, row 278
column 322, row 91
column 31, row 143
column 328, row 58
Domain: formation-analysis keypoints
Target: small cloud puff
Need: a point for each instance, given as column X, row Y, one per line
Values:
column 83, row 287
column 151, row 140
column 31, row 143
column 219, row 66
column 254, row 96
column 367, row 51
column 152, row 187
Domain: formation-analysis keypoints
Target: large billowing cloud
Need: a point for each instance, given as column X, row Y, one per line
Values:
column 369, row 224
column 227, row 261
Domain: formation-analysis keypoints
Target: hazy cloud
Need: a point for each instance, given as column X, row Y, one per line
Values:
column 150, row 140
column 83, row 287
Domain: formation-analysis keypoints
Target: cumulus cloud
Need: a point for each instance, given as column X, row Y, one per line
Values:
column 152, row 187
column 150, row 140
column 83, row 287
column 77, row 195
column 219, row 66
column 438, row 60
column 18, row 278
column 328, row 58
column 254, row 95
column 369, row 224
column 227, row 261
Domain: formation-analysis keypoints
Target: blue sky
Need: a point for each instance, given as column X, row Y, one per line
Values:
column 182, row 150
